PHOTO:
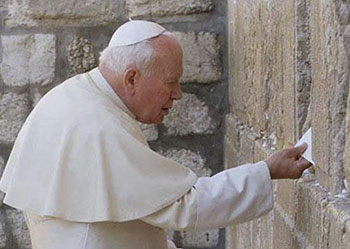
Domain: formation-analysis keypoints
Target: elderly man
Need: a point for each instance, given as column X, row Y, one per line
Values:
column 83, row 174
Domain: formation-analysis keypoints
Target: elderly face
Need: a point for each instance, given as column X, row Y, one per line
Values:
column 155, row 94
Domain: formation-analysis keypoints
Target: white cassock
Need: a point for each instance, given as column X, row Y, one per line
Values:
column 82, row 172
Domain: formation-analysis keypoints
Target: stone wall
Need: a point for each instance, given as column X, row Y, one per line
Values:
column 42, row 43
column 289, row 69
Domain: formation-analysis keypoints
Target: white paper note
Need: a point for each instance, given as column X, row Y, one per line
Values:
column 307, row 138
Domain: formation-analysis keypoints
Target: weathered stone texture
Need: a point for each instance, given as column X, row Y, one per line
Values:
column 189, row 115
column 150, row 131
column 19, row 228
column 283, row 236
column 80, row 56
column 201, row 56
column 280, row 84
column 330, row 65
column 3, row 4
column 347, row 147
column 153, row 8
column 28, row 59
column 339, row 224
column 303, row 66
column 188, row 159
column 2, row 166
column 206, row 239
column 13, row 112
column 239, row 143
column 262, row 86
column 286, row 197
column 63, row 13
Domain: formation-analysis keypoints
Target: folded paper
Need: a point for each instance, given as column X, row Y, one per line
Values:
column 307, row 138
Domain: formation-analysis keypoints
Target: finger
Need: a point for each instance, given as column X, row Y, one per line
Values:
column 297, row 151
column 303, row 164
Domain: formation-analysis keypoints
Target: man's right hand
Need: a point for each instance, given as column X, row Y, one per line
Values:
column 288, row 163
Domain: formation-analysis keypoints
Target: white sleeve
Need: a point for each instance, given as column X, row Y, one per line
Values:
column 231, row 196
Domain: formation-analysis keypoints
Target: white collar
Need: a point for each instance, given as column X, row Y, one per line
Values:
column 104, row 86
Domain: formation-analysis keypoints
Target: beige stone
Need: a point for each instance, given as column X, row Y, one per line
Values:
column 338, row 214
column 13, row 112
column 311, row 218
column 230, row 237
column 283, row 237
column 63, row 13
column 261, row 67
column 28, row 59
column 262, row 232
column 303, row 67
column 189, row 115
column 201, row 56
column 152, row 8
column 286, row 196
column 330, row 58
column 188, row 159
column 244, row 236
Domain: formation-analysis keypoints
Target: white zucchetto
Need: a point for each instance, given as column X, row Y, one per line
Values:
column 135, row 31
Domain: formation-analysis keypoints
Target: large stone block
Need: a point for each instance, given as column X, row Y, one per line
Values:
column 28, row 59
column 347, row 148
column 63, row 13
column 263, row 232
column 311, row 218
column 338, row 214
column 201, row 56
column 230, row 237
column 3, row 5
column 80, row 54
column 261, row 67
column 286, row 196
column 2, row 237
column 303, row 66
column 244, row 236
column 283, row 236
column 200, row 239
column 18, row 228
column 330, row 59
column 189, row 115
column 13, row 112
column 188, row 159
column 153, row 8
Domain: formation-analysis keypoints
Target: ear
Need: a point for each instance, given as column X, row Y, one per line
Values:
column 130, row 78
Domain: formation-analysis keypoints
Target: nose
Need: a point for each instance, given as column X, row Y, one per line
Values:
column 177, row 92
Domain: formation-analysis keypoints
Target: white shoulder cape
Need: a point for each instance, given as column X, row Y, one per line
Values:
column 81, row 156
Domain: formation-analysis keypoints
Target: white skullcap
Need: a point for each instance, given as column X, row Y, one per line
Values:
column 135, row 31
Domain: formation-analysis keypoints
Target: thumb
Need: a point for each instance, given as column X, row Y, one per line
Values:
column 297, row 151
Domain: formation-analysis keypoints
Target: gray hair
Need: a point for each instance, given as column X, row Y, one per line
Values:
column 118, row 59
